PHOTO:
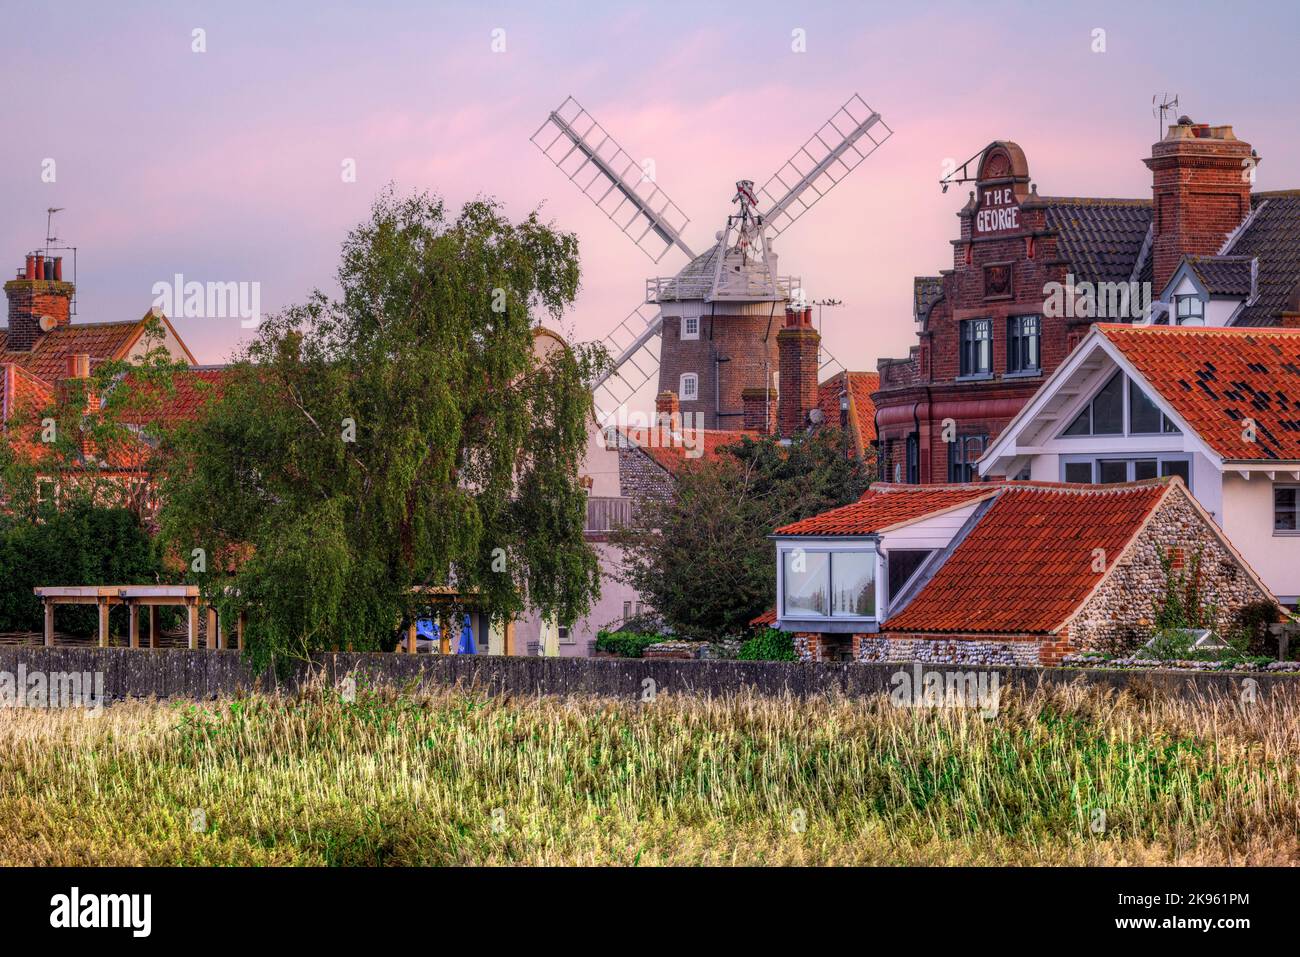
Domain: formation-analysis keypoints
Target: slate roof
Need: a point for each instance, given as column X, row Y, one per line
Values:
column 1102, row 238
column 1030, row 561
column 1223, row 275
column 885, row 506
column 1217, row 377
column 1273, row 235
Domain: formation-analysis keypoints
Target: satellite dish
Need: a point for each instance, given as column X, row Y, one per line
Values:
column 47, row 323
column 816, row 416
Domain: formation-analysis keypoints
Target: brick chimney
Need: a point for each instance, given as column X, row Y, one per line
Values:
column 76, row 376
column 759, row 404
column 668, row 411
column 1201, row 179
column 797, row 344
column 39, row 301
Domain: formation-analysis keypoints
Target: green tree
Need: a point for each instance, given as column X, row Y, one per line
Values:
column 703, row 558
column 405, row 434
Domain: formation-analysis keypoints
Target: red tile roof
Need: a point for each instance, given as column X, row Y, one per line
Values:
column 99, row 340
column 1032, row 559
column 1216, row 378
column 886, row 506
column 862, row 411
column 672, row 449
column 190, row 390
column 22, row 396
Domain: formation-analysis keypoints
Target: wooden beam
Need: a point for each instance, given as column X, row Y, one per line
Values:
column 192, row 623
column 103, row 624
column 510, row 637
column 210, row 639
column 155, row 635
column 49, row 623
column 410, row 638
column 134, row 611
column 239, row 631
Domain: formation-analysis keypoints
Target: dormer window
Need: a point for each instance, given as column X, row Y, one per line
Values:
column 1189, row 310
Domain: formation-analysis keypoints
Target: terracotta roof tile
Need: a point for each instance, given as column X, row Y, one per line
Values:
column 190, row 390
column 1031, row 559
column 99, row 340
column 674, row 449
column 884, row 506
column 862, row 411
column 1216, row 378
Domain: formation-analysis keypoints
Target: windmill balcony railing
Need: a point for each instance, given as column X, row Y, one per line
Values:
column 606, row 513
column 676, row 288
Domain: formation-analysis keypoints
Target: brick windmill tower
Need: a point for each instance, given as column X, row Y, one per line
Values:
column 707, row 334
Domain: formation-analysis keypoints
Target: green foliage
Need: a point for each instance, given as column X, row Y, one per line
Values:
column 1180, row 603
column 703, row 558
column 768, row 645
column 626, row 644
column 81, row 544
column 462, row 469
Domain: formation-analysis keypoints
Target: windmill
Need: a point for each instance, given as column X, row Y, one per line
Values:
column 735, row 281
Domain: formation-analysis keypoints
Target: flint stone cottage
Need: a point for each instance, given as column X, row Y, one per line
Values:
column 1018, row 573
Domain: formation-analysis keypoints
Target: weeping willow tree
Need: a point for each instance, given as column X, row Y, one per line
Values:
column 405, row 434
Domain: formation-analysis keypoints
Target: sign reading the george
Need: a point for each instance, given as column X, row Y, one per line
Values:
column 998, row 211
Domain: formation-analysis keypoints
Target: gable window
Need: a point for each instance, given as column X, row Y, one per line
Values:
column 1144, row 416
column 1105, row 414
column 828, row 584
column 976, row 347
column 1286, row 508
column 689, row 387
column 691, row 327
column 962, row 456
column 1189, row 310
column 1022, row 344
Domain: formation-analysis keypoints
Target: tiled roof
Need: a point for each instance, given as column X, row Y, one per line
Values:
column 885, row 506
column 1031, row 560
column 767, row 618
column 1101, row 238
column 1216, row 378
column 862, row 411
column 190, row 390
column 99, row 340
column 23, row 395
column 1273, row 235
column 1223, row 275
column 673, row 449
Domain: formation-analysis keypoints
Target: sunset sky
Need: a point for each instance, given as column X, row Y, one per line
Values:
column 225, row 165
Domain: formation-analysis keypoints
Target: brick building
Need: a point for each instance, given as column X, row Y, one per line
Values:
column 1031, row 273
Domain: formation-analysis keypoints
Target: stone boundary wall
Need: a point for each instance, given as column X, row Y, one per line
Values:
column 166, row 673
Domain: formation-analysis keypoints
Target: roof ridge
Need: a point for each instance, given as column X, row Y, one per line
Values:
column 1094, row 201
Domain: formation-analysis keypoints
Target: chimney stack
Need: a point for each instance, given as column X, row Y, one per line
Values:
column 797, row 344
column 38, row 292
column 1201, row 179
column 668, row 411
column 760, row 409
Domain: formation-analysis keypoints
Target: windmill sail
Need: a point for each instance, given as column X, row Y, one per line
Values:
column 618, row 185
column 852, row 134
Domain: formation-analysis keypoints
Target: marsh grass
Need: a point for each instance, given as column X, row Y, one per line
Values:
column 457, row 777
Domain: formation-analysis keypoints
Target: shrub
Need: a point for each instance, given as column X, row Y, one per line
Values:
column 625, row 644
column 768, row 645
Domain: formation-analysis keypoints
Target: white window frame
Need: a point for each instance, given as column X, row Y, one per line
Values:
column 692, row 394
column 687, row 332
column 811, row 547
column 1285, row 532
column 1126, row 422
column 1094, row 459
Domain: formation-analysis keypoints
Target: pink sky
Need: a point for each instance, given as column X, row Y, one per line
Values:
column 225, row 165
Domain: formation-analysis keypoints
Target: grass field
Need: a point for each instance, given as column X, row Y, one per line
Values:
column 459, row 778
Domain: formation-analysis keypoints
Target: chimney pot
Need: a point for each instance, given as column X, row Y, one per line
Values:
column 58, row 269
column 40, row 266
column 31, row 267
column 78, row 365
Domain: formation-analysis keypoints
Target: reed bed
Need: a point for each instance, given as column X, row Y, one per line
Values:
column 1062, row 776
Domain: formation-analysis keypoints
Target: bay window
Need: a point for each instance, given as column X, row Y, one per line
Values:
column 827, row 582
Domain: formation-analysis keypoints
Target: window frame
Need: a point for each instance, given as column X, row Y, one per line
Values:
column 969, row 348
column 694, row 379
column 1179, row 319
column 868, row 548
column 685, row 327
column 1167, row 425
column 972, row 473
column 1094, row 461
column 1018, row 341
column 1295, row 509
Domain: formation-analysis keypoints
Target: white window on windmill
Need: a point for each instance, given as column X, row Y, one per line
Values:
column 691, row 327
column 689, row 387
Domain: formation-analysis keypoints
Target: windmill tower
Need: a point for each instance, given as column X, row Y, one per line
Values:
column 708, row 332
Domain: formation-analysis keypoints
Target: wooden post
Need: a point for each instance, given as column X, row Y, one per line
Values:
column 103, row 622
column 211, row 639
column 134, row 611
column 192, row 622
column 444, row 642
column 510, row 637
column 155, row 636
column 239, row 631
column 221, row 633
column 410, row 638
column 49, row 623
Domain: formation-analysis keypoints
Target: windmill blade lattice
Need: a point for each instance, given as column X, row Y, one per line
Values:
column 605, row 173
column 634, row 347
column 852, row 134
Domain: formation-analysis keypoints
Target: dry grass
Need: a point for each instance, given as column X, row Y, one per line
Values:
column 417, row 779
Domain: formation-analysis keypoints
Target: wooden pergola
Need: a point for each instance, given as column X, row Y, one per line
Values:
column 136, row 597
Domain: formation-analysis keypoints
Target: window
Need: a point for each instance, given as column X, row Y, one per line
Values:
column 1080, row 472
column 913, row 458
column 903, row 564
column 1022, row 344
column 976, row 347
column 840, row 584
column 1104, row 415
column 1180, row 467
column 1286, row 508
column 690, row 387
column 1106, row 470
column 566, row 635
column 627, row 610
column 962, row 456
column 1189, row 310
column 1144, row 416
column 691, row 327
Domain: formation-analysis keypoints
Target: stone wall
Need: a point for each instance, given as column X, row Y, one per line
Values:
column 1120, row 615
column 202, row 675
column 948, row 649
